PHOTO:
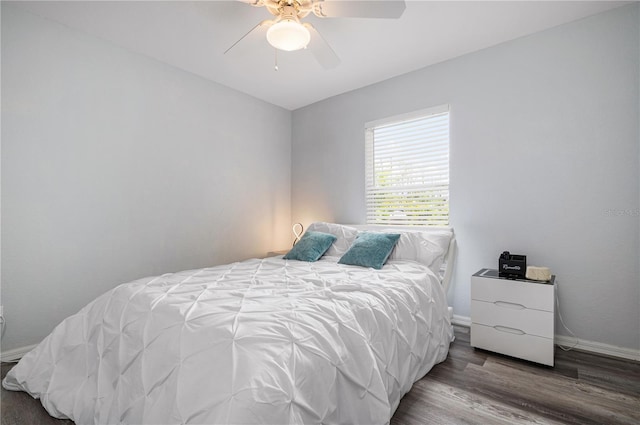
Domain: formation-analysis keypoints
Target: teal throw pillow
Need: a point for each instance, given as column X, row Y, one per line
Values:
column 310, row 247
column 370, row 250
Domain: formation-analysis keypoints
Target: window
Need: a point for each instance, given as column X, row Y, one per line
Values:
column 407, row 169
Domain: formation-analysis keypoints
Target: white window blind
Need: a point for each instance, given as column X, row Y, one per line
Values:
column 407, row 169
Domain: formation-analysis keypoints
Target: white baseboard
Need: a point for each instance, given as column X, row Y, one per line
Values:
column 576, row 343
column 461, row 320
column 598, row 347
column 16, row 354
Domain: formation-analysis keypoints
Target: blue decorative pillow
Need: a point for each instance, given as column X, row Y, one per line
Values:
column 370, row 250
column 310, row 247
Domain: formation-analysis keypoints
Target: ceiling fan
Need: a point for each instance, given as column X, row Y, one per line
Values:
column 287, row 32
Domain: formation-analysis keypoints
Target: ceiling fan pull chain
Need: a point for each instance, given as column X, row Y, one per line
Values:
column 276, row 58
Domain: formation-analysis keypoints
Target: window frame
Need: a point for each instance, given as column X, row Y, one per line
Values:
column 436, row 217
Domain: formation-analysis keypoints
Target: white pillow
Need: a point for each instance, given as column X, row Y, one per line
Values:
column 345, row 236
column 426, row 247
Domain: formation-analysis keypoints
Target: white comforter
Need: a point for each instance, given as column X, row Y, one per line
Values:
column 260, row 341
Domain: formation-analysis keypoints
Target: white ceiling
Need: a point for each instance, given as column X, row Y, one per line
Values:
column 192, row 35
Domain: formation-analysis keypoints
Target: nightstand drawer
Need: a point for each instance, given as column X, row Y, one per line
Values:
column 514, row 316
column 538, row 296
column 502, row 340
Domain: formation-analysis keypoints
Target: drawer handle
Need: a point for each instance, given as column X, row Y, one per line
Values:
column 508, row 330
column 509, row 305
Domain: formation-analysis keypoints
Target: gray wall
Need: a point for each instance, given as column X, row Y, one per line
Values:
column 116, row 167
column 544, row 162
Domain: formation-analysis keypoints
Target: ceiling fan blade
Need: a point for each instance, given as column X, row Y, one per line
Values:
column 320, row 49
column 258, row 31
column 388, row 9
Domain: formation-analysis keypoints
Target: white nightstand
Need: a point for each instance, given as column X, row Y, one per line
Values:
column 513, row 317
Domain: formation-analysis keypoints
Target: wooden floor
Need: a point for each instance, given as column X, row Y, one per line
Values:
column 478, row 387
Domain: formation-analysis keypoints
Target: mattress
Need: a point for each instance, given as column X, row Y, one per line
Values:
column 258, row 341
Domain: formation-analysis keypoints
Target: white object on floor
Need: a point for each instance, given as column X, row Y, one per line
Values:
column 513, row 317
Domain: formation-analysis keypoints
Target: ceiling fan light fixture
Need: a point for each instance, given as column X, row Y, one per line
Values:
column 288, row 35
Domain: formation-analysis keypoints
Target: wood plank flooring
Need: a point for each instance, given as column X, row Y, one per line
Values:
column 478, row 387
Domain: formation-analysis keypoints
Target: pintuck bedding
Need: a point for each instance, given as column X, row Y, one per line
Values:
column 268, row 341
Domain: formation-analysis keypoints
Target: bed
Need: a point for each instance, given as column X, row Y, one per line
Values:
column 269, row 341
